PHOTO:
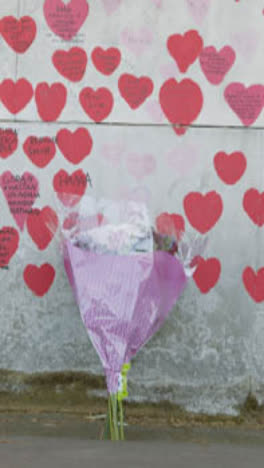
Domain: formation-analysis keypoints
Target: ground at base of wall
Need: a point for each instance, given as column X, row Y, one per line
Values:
column 69, row 398
column 82, row 427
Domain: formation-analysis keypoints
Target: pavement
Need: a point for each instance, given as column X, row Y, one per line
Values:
column 38, row 452
column 62, row 441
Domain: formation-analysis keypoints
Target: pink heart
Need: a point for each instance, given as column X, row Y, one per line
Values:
column 20, row 193
column 137, row 40
column 65, row 20
column 198, row 9
column 113, row 153
column 182, row 159
column 170, row 70
column 138, row 194
column 247, row 103
column 246, row 43
column 215, row 65
column 111, row 6
column 158, row 3
column 154, row 110
column 140, row 166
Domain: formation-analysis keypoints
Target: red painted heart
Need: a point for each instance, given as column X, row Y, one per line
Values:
column 42, row 225
column 20, row 194
column 39, row 150
column 50, row 100
column 207, row 274
column 18, row 33
column 70, row 188
column 9, row 240
column 8, row 142
column 215, row 65
column 247, row 103
column 203, row 211
column 75, row 146
column 185, row 49
column 106, row 61
column 71, row 64
column 170, row 225
column 135, row 90
column 253, row 203
column 254, row 283
column 16, row 96
column 181, row 102
column 39, row 279
column 230, row 167
column 97, row 104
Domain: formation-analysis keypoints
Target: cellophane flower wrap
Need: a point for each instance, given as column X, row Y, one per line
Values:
column 126, row 277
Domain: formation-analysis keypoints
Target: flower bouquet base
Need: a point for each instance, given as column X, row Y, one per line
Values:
column 126, row 278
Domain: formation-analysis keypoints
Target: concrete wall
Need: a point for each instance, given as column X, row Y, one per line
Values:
column 209, row 354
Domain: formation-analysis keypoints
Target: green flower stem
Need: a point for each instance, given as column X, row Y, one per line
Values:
column 106, row 433
column 115, row 430
column 114, row 423
column 110, row 418
column 121, row 419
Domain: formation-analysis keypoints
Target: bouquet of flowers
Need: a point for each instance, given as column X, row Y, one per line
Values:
column 126, row 277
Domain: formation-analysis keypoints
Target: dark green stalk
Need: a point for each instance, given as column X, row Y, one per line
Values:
column 114, row 417
column 106, row 433
column 121, row 419
column 110, row 418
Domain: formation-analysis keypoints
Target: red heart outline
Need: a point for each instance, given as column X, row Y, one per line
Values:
column 42, row 226
column 185, row 49
column 16, row 95
column 106, row 61
column 254, row 283
column 71, row 64
column 181, row 102
column 8, row 142
column 39, row 279
column 9, row 241
column 70, row 188
column 50, row 100
column 135, row 90
column 75, row 146
column 40, row 151
column 203, row 211
column 230, row 167
column 18, row 33
column 253, row 204
column 97, row 104
column 207, row 274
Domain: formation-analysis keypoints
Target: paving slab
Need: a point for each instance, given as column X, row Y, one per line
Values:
column 63, row 453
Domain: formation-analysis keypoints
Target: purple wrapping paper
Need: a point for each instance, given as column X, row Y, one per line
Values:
column 123, row 300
